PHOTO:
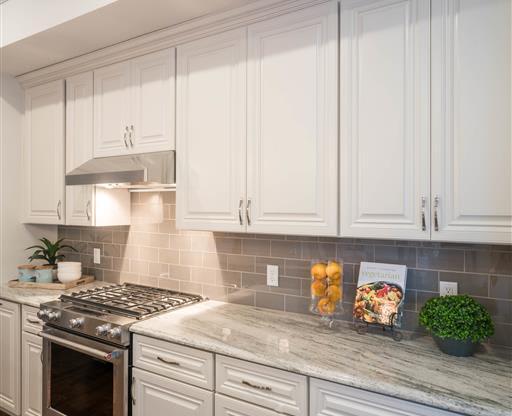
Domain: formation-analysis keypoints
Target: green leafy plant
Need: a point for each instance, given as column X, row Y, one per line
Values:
column 49, row 251
column 457, row 317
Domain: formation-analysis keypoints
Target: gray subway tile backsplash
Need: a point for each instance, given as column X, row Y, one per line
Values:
column 232, row 267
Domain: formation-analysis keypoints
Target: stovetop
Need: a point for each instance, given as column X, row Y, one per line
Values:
column 105, row 313
column 130, row 300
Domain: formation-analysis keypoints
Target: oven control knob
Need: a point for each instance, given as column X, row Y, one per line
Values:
column 115, row 332
column 102, row 330
column 53, row 316
column 42, row 314
column 76, row 322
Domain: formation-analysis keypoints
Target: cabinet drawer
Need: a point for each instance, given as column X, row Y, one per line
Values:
column 333, row 399
column 29, row 320
column 226, row 406
column 174, row 361
column 275, row 389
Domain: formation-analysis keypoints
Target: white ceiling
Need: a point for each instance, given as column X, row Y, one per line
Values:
column 113, row 23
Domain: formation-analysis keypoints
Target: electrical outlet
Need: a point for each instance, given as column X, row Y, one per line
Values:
column 272, row 275
column 96, row 256
column 447, row 288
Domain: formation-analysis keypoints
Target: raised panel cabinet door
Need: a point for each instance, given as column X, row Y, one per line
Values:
column 79, row 120
column 292, row 138
column 153, row 95
column 384, row 119
column 112, row 102
column 160, row 396
column 331, row 399
column 471, row 121
column 211, row 104
column 80, row 205
column 10, row 364
column 44, row 154
column 32, row 375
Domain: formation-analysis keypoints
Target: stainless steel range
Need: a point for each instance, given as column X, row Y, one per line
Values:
column 86, row 344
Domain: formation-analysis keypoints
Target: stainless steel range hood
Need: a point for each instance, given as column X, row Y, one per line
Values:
column 145, row 171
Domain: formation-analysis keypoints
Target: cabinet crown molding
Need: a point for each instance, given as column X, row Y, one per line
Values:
column 165, row 38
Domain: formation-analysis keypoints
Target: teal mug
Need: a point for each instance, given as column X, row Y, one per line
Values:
column 26, row 273
column 44, row 274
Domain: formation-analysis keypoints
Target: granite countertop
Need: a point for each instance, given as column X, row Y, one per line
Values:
column 34, row 297
column 412, row 369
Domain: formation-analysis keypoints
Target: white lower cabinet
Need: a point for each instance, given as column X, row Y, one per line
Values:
column 32, row 375
column 10, row 371
column 331, row 399
column 226, row 406
column 154, row 395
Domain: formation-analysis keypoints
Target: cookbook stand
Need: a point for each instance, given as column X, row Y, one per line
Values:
column 363, row 326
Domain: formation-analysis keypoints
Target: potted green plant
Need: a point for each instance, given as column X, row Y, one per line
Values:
column 50, row 252
column 457, row 323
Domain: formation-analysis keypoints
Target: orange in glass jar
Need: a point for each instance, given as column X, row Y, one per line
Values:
column 326, row 307
column 318, row 288
column 333, row 293
column 318, row 271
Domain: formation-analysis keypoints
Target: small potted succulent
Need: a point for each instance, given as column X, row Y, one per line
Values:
column 457, row 323
column 50, row 252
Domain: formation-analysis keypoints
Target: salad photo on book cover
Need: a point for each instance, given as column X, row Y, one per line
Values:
column 380, row 293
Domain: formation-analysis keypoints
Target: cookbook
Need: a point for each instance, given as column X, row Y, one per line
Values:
column 380, row 293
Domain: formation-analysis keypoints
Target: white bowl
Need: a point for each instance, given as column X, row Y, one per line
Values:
column 69, row 265
column 66, row 277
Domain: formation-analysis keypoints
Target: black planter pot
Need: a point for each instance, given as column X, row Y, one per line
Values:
column 456, row 347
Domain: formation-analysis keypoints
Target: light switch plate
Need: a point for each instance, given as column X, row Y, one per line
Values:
column 448, row 288
column 96, row 256
column 272, row 275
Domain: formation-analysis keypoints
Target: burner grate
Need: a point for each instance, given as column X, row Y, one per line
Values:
column 131, row 300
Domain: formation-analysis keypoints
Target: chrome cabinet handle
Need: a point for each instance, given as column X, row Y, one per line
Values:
column 132, row 393
column 124, row 137
column 436, row 219
column 130, row 135
column 168, row 362
column 33, row 321
column 423, row 222
column 254, row 386
column 248, row 212
column 58, row 209
column 87, row 208
column 240, row 217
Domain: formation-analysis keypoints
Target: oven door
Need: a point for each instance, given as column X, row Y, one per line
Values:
column 83, row 377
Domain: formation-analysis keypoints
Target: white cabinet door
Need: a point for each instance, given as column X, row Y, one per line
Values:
column 160, row 396
column 211, row 103
column 331, row 399
column 112, row 95
column 43, row 154
column 32, row 375
column 10, row 372
column 226, row 406
column 152, row 120
column 79, row 205
column 79, row 120
column 292, row 139
column 384, row 122
column 471, row 120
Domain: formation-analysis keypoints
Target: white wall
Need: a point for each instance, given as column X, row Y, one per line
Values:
column 14, row 236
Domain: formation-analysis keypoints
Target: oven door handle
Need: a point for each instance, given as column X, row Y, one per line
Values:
column 102, row 355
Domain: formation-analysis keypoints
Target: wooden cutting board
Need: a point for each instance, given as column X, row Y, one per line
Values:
column 56, row 285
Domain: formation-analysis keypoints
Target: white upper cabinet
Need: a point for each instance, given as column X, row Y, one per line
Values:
column 134, row 105
column 153, row 83
column 211, row 105
column 79, row 200
column 112, row 94
column 471, row 120
column 292, row 149
column 384, row 123
column 43, row 154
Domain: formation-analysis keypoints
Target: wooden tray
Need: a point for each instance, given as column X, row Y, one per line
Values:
column 56, row 285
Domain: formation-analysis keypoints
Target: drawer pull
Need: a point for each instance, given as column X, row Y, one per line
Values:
column 34, row 321
column 254, row 386
column 168, row 362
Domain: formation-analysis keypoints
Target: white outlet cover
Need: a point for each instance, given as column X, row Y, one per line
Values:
column 448, row 288
column 96, row 256
column 272, row 275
